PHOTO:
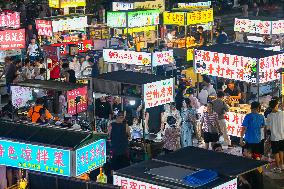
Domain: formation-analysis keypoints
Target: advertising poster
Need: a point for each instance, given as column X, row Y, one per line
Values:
column 80, row 106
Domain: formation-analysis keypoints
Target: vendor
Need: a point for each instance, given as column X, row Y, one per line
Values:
column 171, row 36
column 232, row 91
column 34, row 112
column 200, row 36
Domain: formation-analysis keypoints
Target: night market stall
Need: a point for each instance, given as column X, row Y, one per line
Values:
column 255, row 67
column 187, row 168
column 68, row 6
column 50, row 150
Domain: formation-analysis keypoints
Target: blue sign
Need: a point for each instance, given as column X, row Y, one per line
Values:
column 90, row 157
column 35, row 158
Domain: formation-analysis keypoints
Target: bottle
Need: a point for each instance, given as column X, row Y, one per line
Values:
column 102, row 178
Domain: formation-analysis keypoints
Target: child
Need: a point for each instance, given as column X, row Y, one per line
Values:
column 136, row 129
column 171, row 138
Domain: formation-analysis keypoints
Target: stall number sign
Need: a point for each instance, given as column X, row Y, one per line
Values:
column 156, row 4
column 44, row 27
column 143, row 18
column 127, row 57
column 234, row 123
column 233, row 184
column 80, row 106
column 12, row 39
column 10, row 20
column 90, row 157
column 174, row 18
column 117, row 6
column 83, row 46
column 36, row 158
column 226, row 66
column 253, row 26
column 21, row 95
column 199, row 17
column 158, row 93
column 268, row 68
column 75, row 23
column 116, row 19
column 278, row 27
column 163, row 58
column 198, row 5
column 127, row 183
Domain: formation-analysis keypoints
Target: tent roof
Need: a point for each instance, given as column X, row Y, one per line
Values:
column 50, row 85
column 232, row 49
column 42, row 135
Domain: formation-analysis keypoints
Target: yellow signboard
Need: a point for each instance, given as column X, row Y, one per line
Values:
column 189, row 54
column 141, row 29
column 199, row 17
column 72, row 3
column 174, row 18
column 53, row 3
column 156, row 4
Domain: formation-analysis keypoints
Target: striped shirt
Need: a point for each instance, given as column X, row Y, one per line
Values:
column 209, row 122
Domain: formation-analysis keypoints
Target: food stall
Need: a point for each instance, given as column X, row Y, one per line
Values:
column 170, row 171
column 61, row 152
column 186, row 22
column 265, row 30
column 68, row 6
column 254, row 66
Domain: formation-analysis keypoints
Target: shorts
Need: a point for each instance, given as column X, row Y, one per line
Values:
column 277, row 146
column 255, row 148
column 211, row 137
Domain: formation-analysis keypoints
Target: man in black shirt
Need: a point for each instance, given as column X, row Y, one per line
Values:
column 233, row 91
column 153, row 119
column 103, row 114
column 200, row 36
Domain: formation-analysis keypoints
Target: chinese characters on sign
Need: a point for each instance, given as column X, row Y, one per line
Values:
column 198, row 5
column 156, row 4
column 44, row 27
column 35, row 158
column 143, row 18
column 90, row 157
column 174, row 18
column 253, row 26
column 21, row 95
column 127, row 57
column 158, row 93
column 226, row 66
column 12, row 39
column 268, row 68
column 66, row 3
column 10, row 20
column 83, row 46
column 199, row 17
column 278, row 27
column 116, row 19
column 163, row 58
column 234, row 123
column 117, row 6
column 75, row 23
column 126, row 183
column 233, row 184
column 77, row 107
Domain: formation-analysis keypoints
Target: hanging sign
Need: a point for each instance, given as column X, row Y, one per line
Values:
column 117, row 6
column 253, row 26
column 35, row 158
column 154, row 4
column 226, row 66
column 198, row 5
column 234, row 123
column 278, row 27
column 143, row 18
column 44, row 27
column 80, row 106
column 163, row 58
column 174, row 18
column 83, row 46
column 116, row 19
column 21, row 95
column 90, row 157
column 127, row 57
column 158, row 93
column 72, row 3
column 12, row 39
column 75, row 23
column 10, row 20
column 199, row 17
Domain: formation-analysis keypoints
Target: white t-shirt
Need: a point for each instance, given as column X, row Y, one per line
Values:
column 76, row 66
column 275, row 122
column 203, row 96
column 211, row 90
column 33, row 50
column 86, row 68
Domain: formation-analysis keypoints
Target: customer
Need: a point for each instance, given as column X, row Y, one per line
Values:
column 34, row 112
column 188, row 115
column 220, row 37
column 119, row 133
column 171, row 138
column 68, row 73
column 244, row 4
column 33, row 50
column 180, row 96
column 200, row 36
column 275, row 123
column 153, row 119
column 193, row 100
column 220, row 107
column 75, row 65
column 255, row 9
column 210, row 126
column 252, row 124
column 86, row 67
column 103, row 113
column 11, row 73
column 27, row 70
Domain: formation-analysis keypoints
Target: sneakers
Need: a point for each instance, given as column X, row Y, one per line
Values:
column 276, row 170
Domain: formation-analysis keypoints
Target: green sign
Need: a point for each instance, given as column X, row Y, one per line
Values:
column 116, row 19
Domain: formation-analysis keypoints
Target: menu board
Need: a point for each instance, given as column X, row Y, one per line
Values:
column 153, row 4
column 199, row 17
column 75, row 23
column 116, row 19
column 174, row 18
column 143, row 18
column 163, row 58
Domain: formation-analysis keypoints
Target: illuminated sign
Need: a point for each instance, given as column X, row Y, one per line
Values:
column 154, row 4
column 83, row 46
column 77, row 107
column 143, row 18
column 174, row 18
column 53, row 3
column 44, row 27
column 198, row 5
column 116, row 19
column 35, row 158
column 90, row 157
column 199, row 17
column 117, row 6
column 66, row 3
column 127, row 57
column 163, row 58
column 10, row 20
column 158, row 93
column 76, row 23
column 12, row 39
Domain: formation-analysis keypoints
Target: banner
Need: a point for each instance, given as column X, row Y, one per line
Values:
column 278, row 27
column 72, row 3
column 268, row 68
column 35, row 158
column 253, row 26
column 143, row 18
column 226, row 66
column 174, row 18
column 117, row 6
column 44, row 27
column 199, row 17
column 116, row 19
column 234, row 123
column 90, row 157
column 83, row 46
column 154, row 4
column 158, row 93
column 10, row 20
column 163, row 58
column 82, row 105
column 127, row 57
column 75, row 23
column 21, row 95
column 198, row 5
column 12, row 39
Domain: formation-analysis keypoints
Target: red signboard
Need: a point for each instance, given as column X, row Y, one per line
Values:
column 12, row 39
column 44, row 27
column 83, row 46
column 10, row 20
column 81, row 105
